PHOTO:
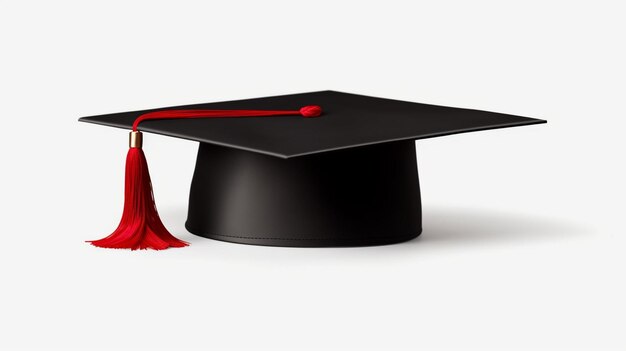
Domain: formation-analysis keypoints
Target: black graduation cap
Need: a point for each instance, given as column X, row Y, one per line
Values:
column 345, row 178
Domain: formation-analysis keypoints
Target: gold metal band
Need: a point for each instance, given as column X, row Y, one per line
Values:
column 135, row 139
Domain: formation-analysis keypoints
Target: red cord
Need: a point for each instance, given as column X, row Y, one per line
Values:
column 306, row 111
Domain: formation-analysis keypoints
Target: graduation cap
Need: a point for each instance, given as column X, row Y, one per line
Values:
column 313, row 169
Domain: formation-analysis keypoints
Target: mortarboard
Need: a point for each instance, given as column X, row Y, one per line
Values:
column 346, row 177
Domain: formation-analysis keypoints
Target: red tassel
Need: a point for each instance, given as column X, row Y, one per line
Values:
column 140, row 227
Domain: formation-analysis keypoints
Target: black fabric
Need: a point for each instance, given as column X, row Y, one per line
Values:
column 354, row 197
column 348, row 121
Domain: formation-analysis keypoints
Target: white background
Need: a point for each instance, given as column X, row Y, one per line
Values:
column 523, row 244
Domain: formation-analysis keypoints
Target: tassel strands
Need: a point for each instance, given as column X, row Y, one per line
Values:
column 140, row 226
